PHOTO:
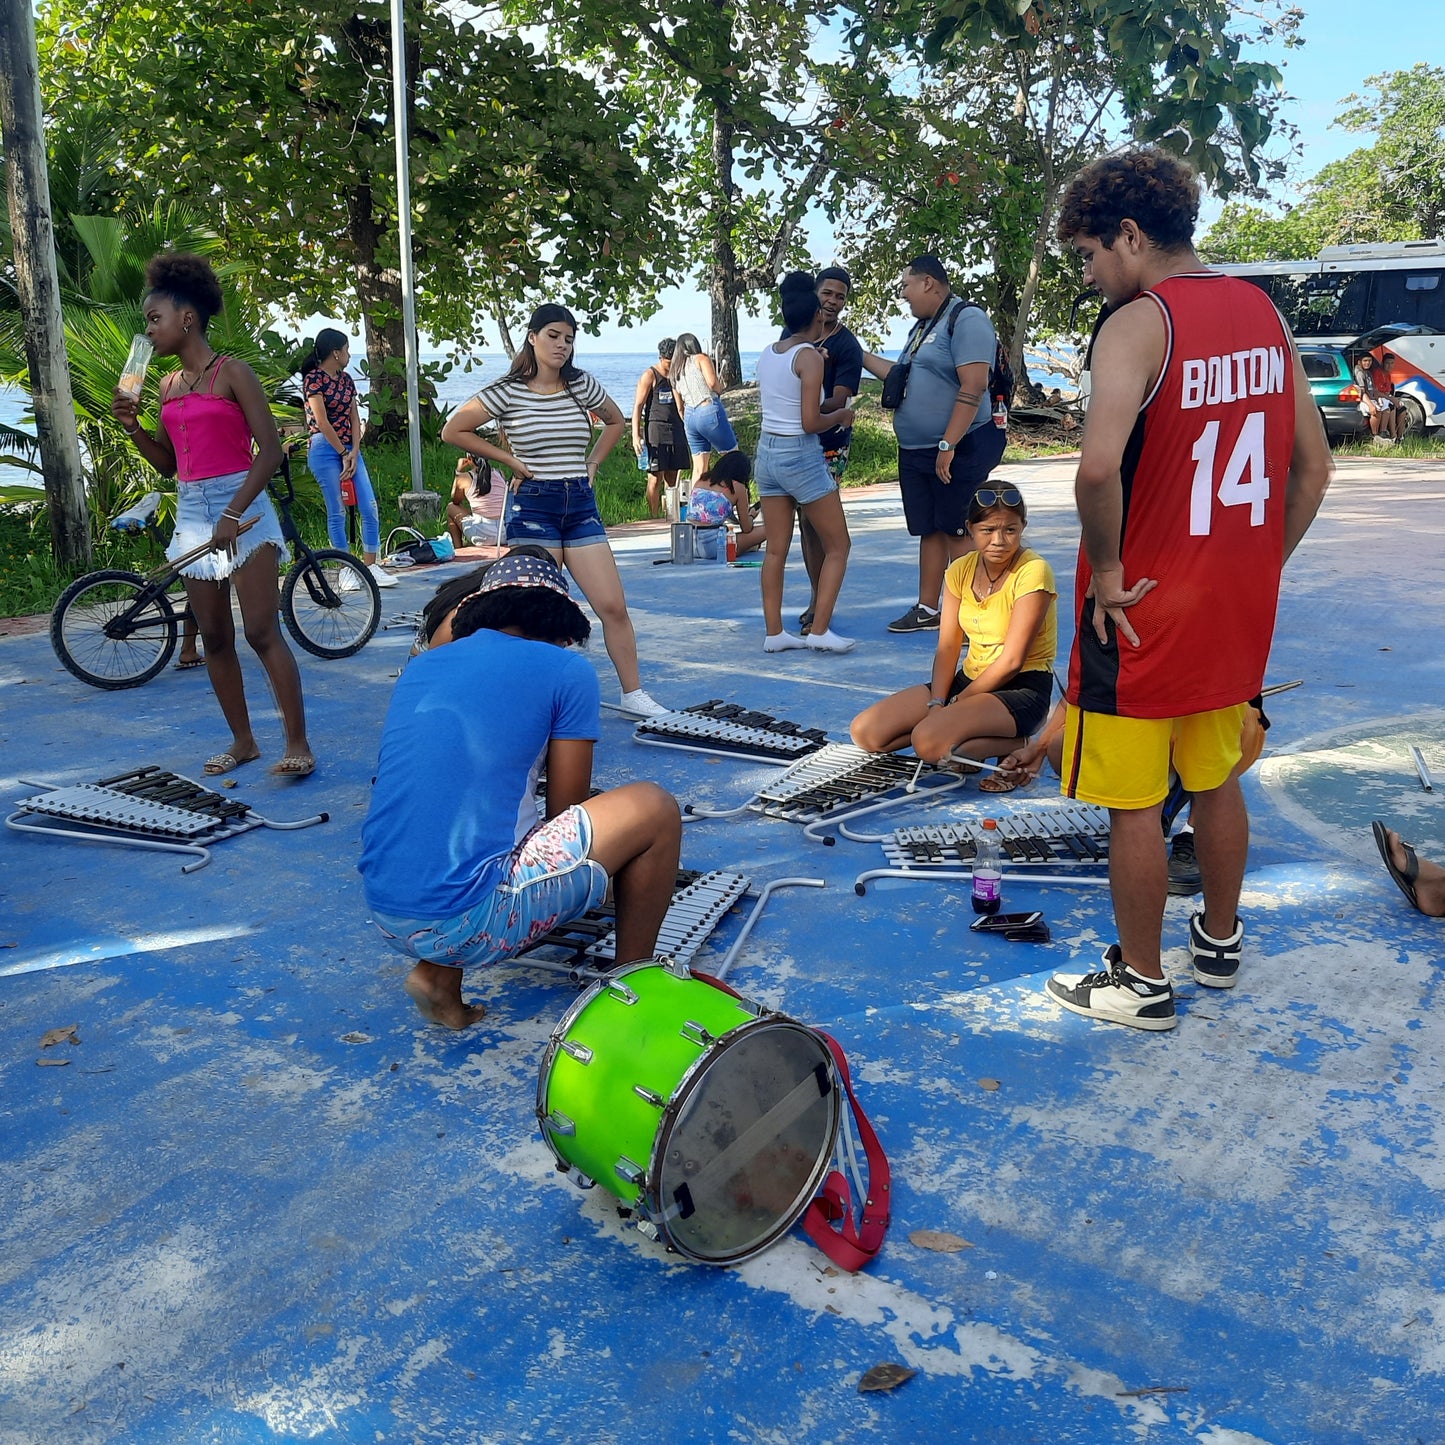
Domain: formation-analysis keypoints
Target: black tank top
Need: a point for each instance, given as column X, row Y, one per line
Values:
column 664, row 425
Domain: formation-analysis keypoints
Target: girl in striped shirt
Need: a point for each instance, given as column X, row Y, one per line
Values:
column 545, row 404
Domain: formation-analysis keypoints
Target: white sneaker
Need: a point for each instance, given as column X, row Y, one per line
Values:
column 783, row 642
column 346, row 581
column 642, row 704
column 829, row 641
column 382, row 577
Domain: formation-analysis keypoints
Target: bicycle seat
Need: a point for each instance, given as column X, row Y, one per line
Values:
column 138, row 517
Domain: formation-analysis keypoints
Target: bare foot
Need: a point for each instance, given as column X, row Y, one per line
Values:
column 437, row 992
column 1429, row 886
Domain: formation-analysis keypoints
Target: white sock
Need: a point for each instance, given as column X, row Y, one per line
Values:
column 784, row 641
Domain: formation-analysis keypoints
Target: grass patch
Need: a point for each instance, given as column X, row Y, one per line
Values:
column 1431, row 447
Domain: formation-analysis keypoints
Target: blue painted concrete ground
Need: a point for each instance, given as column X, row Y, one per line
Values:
column 263, row 1201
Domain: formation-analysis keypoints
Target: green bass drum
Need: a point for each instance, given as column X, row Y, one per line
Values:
column 713, row 1118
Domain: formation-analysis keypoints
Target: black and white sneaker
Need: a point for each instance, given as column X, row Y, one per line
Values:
column 918, row 618
column 1216, row 960
column 1184, row 875
column 1117, row 995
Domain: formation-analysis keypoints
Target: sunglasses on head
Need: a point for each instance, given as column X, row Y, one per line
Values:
column 1009, row 497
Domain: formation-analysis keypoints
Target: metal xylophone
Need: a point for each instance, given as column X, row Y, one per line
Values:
column 1072, row 837
column 730, row 730
column 838, row 781
column 586, row 945
column 146, row 808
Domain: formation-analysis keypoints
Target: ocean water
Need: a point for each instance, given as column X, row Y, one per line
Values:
column 618, row 371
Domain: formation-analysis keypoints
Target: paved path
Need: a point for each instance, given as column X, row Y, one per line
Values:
column 261, row 1200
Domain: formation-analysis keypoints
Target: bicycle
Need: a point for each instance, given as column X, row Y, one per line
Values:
column 115, row 629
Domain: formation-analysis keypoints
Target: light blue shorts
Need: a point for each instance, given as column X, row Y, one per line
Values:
column 198, row 509
column 547, row 880
column 793, row 467
column 708, row 428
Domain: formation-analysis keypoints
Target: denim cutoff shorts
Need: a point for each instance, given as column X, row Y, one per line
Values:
column 559, row 512
column 793, row 467
column 546, row 880
column 198, row 508
column 708, row 428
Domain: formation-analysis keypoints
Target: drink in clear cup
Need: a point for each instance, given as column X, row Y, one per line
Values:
column 133, row 378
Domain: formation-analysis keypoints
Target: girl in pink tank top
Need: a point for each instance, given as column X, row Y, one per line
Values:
column 216, row 434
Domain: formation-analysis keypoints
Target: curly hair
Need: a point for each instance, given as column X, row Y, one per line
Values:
column 1155, row 190
column 185, row 280
column 536, row 612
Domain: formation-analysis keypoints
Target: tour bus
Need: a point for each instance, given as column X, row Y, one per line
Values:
column 1378, row 298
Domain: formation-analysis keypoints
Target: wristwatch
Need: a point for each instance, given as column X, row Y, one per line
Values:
column 945, row 445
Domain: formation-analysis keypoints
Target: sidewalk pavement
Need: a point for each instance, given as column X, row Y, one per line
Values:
column 260, row 1199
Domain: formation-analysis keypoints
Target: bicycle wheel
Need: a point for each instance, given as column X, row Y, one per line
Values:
column 111, row 631
column 331, row 603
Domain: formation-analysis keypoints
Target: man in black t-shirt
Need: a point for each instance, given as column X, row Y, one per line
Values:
column 842, row 375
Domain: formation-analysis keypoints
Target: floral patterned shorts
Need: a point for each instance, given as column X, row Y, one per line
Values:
column 547, row 880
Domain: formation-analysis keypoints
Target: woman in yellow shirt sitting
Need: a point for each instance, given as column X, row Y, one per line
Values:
column 1006, row 612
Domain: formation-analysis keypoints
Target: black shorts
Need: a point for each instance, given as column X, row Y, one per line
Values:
column 1026, row 697
column 928, row 505
column 667, row 457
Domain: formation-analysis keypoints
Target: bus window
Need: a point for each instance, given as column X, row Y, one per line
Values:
column 1415, row 298
column 1331, row 303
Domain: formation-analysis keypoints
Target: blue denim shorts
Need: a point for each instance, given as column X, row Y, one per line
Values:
column 546, row 880
column 198, row 508
column 559, row 513
column 793, row 467
column 708, row 428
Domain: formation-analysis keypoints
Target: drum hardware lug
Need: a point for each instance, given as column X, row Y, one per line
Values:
column 621, row 992
column 560, row 1124
column 648, row 1230
column 648, row 1097
column 627, row 1171
column 575, row 1175
column 694, row 1033
column 580, row 1052
column 674, row 967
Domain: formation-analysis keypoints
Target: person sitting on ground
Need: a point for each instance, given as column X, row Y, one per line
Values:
column 721, row 496
column 1005, row 608
column 435, row 628
column 1421, row 881
column 461, row 874
column 473, row 513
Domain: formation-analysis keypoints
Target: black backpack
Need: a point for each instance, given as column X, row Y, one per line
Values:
column 1001, row 380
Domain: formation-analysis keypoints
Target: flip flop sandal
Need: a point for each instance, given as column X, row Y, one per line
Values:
column 225, row 763
column 1404, row 877
column 996, row 784
column 805, row 621
column 186, row 664
column 293, row 767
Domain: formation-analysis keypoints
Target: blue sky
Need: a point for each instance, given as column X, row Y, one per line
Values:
column 1344, row 44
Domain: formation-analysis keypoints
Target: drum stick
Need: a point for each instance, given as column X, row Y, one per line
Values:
column 1281, row 687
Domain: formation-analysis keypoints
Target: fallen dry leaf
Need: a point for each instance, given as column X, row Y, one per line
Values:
column 885, row 1377
column 229, row 783
column 52, row 1063
column 990, row 1084
column 938, row 1239
column 68, row 1035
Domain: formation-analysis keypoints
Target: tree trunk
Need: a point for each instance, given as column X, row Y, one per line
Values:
column 724, row 285
column 28, row 186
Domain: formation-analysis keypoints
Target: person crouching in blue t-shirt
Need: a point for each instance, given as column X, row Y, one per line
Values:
column 456, row 869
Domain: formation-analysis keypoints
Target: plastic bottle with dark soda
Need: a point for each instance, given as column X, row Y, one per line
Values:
column 988, row 871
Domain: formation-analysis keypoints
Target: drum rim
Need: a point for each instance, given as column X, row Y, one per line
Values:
column 651, row 1203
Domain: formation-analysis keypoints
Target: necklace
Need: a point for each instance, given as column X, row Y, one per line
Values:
column 992, row 580
column 200, row 377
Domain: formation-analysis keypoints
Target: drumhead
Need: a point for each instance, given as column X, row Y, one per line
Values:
column 744, row 1147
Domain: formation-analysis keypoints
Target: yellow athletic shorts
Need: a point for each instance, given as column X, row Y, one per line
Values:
column 1124, row 762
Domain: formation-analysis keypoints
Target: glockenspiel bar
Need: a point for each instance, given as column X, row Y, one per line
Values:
column 1071, row 833
column 693, row 914
column 727, row 727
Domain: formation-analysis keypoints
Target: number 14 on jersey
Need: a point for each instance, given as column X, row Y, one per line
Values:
column 1242, row 483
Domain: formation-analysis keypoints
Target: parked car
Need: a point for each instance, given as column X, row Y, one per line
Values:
column 1333, row 387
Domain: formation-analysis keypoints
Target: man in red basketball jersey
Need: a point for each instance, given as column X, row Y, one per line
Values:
column 1202, row 465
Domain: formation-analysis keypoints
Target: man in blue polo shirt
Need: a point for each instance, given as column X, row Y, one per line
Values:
column 947, row 442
